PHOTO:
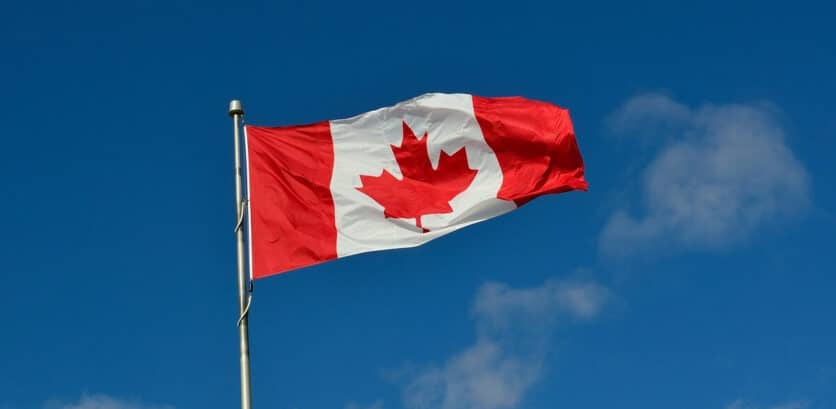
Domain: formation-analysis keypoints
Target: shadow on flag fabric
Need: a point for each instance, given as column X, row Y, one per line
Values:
column 400, row 176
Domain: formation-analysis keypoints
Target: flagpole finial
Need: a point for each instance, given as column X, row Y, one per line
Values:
column 235, row 108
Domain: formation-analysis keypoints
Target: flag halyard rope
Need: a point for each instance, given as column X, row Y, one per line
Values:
column 238, row 225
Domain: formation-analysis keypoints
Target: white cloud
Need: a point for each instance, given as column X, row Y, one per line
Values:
column 663, row 112
column 507, row 358
column 791, row 405
column 104, row 402
column 728, row 173
column 740, row 404
column 376, row 405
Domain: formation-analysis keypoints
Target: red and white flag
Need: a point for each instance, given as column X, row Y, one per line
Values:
column 400, row 176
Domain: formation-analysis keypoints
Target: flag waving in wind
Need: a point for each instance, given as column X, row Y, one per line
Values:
column 400, row 176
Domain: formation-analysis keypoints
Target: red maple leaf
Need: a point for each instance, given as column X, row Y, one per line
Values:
column 423, row 190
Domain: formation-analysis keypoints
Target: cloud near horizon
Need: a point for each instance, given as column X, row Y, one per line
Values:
column 100, row 401
column 513, row 328
column 726, row 172
column 741, row 404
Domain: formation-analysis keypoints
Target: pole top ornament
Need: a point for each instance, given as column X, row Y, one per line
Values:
column 235, row 108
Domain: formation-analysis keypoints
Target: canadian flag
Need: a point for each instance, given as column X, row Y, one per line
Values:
column 400, row 176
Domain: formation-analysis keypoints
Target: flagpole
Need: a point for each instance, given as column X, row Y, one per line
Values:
column 236, row 111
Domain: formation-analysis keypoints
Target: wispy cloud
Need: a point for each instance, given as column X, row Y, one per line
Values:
column 741, row 404
column 512, row 333
column 727, row 173
column 376, row 405
column 104, row 402
column 665, row 116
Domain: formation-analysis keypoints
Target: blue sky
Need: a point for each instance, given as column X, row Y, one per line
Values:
column 697, row 272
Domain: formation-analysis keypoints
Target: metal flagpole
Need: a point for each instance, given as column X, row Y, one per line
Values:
column 236, row 111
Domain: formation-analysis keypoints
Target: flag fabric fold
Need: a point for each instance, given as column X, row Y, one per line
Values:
column 400, row 176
